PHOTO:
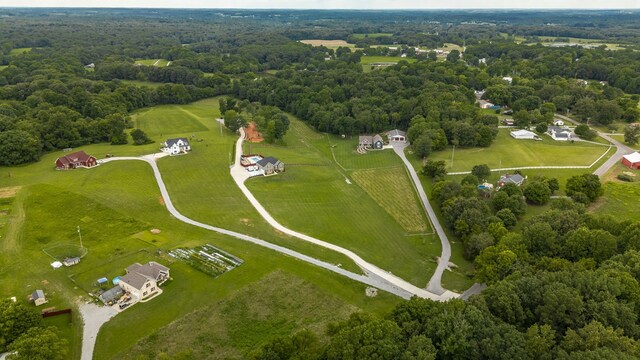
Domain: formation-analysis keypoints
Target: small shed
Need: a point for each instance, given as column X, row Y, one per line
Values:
column 56, row 264
column 38, row 297
column 71, row 261
column 632, row 160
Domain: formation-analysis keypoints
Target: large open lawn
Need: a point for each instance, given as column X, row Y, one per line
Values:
column 19, row 51
column 324, row 198
column 371, row 35
column 141, row 83
column 117, row 202
column 620, row 199
column 153, row 62
column 508, row 152
column 368, row 60
column 331, row 44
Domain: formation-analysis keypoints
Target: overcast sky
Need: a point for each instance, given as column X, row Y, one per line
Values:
column 333, row 4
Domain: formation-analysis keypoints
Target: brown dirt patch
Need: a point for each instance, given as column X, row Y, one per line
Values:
column 9, row 191
column 252, row 134
column 161, row 200
column 319, row 42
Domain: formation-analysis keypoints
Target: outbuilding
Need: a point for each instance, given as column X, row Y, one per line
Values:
column 397, row 135
column 38, row 297
column 523, row 135
column 632, row 160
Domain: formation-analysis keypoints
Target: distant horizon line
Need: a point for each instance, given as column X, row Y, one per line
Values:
column 319, row 9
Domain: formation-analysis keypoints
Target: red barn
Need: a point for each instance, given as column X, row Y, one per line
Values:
column 632, row 160
column 77, row 159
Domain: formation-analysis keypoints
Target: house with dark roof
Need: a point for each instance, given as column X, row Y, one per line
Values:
column 270, row 165
column 176, row 146
column 76, row 160
column 511, row 179
column 558, row 133
column 397, row 135
column 370, row 142
column 143, row 280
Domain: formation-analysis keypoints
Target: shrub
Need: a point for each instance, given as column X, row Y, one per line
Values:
column 625, row 177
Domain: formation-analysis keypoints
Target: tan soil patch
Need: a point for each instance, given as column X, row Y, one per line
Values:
column 155, row 231
column 319, row 42
column 161, row 200
column 9, row 191
column 252, row 134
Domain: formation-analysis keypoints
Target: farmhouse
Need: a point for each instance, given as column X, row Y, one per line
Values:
column 370, row 142
column 523, row 134
column 270, row 165
column 143, row 280
column 397, row 135
column 484, row 104
column 176, row 146
column 76, row 160
column 559, row 134
column 632, row 160
column 510, row 179
column 38, row 297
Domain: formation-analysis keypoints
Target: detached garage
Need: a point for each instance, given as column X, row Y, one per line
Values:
column 632, row 160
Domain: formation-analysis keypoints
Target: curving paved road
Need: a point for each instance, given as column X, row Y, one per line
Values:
column 621, row 149
column 240, row 175
column 435, row 283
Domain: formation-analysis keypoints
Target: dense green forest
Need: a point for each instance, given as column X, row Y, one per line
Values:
column 562, row 284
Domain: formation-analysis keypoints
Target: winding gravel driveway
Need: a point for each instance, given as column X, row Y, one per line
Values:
column 435, row 283
column 93, row 317
column 240, row 175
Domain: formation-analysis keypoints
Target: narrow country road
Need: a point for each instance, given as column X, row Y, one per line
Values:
column 435, row 283
column 621, row 149
column 240, row 175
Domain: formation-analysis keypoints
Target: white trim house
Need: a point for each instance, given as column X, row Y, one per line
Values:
column 176, row 146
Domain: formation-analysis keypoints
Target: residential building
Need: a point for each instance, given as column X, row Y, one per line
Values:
column 143, row 280
column 76, row 160
column 370, row 142
column 559, row 134
column 71, row 261
column 270, row 165
column 484, row 104
column 176, row 146
column 510, row 179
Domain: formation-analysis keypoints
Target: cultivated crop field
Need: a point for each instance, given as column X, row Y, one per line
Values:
column 391, row 189
column 509, row 152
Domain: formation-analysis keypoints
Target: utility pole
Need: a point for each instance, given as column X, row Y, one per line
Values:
column 80, row 235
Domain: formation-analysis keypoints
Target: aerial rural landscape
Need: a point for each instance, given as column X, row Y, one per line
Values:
column 319, row 184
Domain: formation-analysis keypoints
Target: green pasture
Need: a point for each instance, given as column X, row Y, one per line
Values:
column 2, row 67
column 152, row 62
column 141, row 83
column 117, row 203
column 371, row 35
column 368, row 60
column 275, row 305
column 319, row 197
column 620, row 200
column 506, row 151
column 19, row 51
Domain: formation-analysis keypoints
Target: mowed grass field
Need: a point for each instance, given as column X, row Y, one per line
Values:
column 19, row 51
column 116, row 204
column 141, row 83
column 371, row 35
column 153, row 62
column 508, row 152
column 318, row 197
column 368, row 60
column 392, row 190
column 331, row 44
column 620, row 198
column 275, row 305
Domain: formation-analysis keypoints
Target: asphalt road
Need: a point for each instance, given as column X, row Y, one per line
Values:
column 621, row 149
